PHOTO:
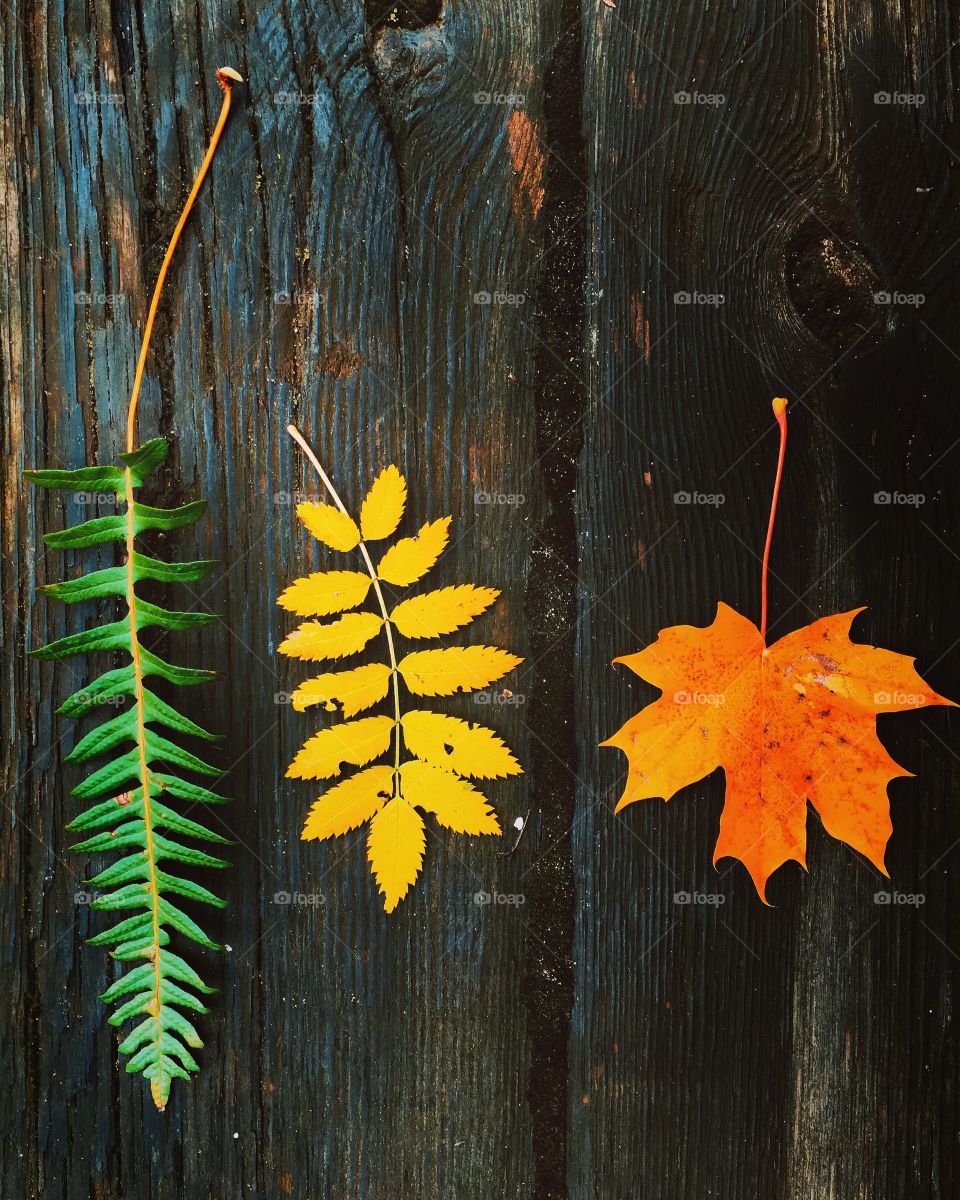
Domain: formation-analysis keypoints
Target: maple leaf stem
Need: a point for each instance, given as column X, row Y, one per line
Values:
column 780, row 412
column 368, row 562
column 226, row 77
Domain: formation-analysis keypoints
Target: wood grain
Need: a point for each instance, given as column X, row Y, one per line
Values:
column 362, row 198
column 451, row 236
column 725, row 1049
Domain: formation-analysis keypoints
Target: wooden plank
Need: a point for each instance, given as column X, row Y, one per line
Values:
column 805, row 1049
column 373, row 183
column 362, row 198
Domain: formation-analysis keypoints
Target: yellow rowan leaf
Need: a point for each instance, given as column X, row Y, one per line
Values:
column 412, row 558
column 315, row 640
column 457, row 804
column 354, row 690
column 448, row 742
column 381, row 511
column 443, row 611
column 325, row 592
column 356, row 742
column 395, row 848
column 330, row 525
column 349, row 803
column 457, row 669
column 446, row 752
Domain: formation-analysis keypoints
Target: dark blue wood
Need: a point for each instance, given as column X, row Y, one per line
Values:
column 379, row 172
column 361, row 198
column 809, row 1049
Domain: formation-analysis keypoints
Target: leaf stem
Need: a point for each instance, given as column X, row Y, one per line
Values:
column 780, row 412
column 226, row 77
column 156, row 1003
column 387, row 625
column 159, row 1085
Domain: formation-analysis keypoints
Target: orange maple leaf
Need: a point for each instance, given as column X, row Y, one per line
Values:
column 789, row 723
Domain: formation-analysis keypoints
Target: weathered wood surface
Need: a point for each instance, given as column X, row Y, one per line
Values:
column 600, row 1040
column 806, row 1050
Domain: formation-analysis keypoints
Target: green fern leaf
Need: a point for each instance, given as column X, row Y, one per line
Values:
column 129, row 792
column 129, row 815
